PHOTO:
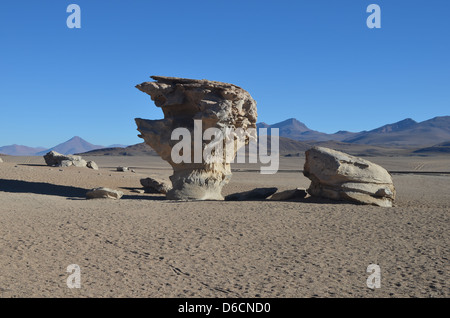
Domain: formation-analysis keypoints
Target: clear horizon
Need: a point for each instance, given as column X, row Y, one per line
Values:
column 141, row 140
column 315, row 61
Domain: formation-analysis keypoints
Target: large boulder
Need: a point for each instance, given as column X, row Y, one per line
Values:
column 55, row 159
column 339, row 176
column 226, row 107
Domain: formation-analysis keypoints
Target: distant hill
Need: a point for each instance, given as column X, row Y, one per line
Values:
column 18, row 150
column 405, row 136
column 363, row 150
column 286, row 146
column 442, row 148
column 141, row 149
column 72, row 146
column 294, row 129
column 406, row 133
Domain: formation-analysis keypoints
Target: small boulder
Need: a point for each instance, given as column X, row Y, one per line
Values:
column 253, row 195
column 122, row 169
column 66, row 163
column 152, row 185
column 79, row 163
column 92, row 165
column 1, row 160
column 104, row 193
column 295, row 194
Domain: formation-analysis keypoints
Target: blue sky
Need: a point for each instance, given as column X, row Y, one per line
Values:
column 313, row 60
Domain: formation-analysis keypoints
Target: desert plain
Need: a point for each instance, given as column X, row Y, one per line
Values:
column 146, row 246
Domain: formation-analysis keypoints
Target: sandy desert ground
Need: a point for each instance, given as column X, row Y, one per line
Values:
column 146, row 246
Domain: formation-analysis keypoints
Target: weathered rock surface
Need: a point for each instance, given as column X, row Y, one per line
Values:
column 56, row 159
column 219, row 105
column 152, row 185
column 104, row 193
column 339, row 176
column 252, row 195
column 287, row 195
column 92, row 165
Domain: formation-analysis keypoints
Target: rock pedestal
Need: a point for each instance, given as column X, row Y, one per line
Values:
column 339, row 176
column 216, row 105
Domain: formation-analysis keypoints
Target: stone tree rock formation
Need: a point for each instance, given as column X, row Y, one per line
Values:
column 339, row 176
column 219, row 105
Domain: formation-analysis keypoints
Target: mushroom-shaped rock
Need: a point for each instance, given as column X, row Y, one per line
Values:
column 339, row 176
column 195, row 106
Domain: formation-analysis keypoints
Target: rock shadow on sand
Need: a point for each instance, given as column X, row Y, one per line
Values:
column 19, row 186
column 69, row 192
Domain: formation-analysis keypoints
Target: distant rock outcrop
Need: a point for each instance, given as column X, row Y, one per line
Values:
column 339, row 176
column 216, row 104
column 56, row 159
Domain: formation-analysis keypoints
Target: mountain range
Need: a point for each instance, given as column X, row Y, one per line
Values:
column 71, row 146
column 294, row 129
column 427, row 137
column 405, row 133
